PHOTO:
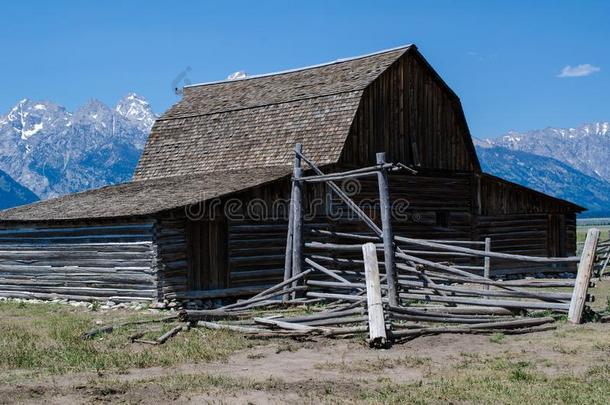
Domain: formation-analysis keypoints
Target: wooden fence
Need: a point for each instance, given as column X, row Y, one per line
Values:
column 416, row 270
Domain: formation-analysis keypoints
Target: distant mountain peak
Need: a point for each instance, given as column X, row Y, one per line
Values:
column 548, row 175
column 136, row 108
column 13, row 193
column 29, row 118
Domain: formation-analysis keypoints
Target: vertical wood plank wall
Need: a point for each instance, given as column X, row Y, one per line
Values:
column 207, row 252
column 523, row 221
column 409, row 113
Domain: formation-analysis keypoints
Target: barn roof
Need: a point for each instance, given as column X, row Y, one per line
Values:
column 230, row 135
column 140, row 198
column 226, row 136
column 256, row 121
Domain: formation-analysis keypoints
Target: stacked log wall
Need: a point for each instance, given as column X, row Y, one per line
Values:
column 78, row 261
column 172, row 255
column 523, row 221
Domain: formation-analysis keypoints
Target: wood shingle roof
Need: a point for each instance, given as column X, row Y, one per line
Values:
column 141, row 198
column 228, row 136
column 255, row 122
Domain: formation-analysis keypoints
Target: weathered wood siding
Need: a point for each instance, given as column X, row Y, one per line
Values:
column 207, row 247
column 78, row 261
column 427, row 205
column 172, row 255
column 256, row 252
column 410, row 113
column 523, row 221
column 257, row 228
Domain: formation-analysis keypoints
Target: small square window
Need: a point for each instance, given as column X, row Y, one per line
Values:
column 442, row 219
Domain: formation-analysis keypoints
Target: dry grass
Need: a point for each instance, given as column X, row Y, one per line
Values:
column 42, row 341
column 47, row 338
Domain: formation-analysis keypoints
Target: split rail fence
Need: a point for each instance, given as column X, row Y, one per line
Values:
column 397, row 287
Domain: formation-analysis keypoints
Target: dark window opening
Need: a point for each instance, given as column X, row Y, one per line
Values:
column 442, row 219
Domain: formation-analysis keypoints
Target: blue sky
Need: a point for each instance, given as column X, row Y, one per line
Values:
column 502, row 58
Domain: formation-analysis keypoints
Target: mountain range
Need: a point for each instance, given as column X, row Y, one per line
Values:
column 47, row 151
column 569, row 163
column 54, row 152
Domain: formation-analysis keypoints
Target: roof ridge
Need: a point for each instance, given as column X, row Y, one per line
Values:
column 281, row 72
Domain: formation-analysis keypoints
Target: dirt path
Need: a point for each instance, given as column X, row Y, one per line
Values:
column 285, row 372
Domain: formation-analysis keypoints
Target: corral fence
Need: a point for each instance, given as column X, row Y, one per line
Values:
column 418, row 271
column 396, row 287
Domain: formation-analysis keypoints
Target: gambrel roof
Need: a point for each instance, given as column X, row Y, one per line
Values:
column 256, row 121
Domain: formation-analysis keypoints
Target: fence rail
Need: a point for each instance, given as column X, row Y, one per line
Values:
column 421, row 272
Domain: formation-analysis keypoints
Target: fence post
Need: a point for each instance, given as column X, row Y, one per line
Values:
column 386, row 229
column 487, row 261
column 289, row 243
column 585, row 268
column 377, row 332
column 606, row 261
column 297, row 220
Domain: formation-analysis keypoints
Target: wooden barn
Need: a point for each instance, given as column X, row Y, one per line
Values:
column 201, row 217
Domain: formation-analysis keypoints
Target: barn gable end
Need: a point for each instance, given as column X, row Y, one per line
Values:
column 412, row 115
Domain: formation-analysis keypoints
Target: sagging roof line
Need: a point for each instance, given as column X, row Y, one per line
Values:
column 178, row 117
column 281, row 72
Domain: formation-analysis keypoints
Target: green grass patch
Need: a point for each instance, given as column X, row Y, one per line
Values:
column 47, row 338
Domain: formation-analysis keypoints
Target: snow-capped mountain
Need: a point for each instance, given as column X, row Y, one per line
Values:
column 13, row 193
column 586, row 148
column 54, row 152
column 137, row 110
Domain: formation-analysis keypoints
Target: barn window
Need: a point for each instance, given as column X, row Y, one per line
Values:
column 442, row 219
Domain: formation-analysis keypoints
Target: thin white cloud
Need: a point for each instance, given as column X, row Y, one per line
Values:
column 578, row 71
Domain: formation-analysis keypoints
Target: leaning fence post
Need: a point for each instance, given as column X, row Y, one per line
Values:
column 297, row 207
column 585, row 268
column 386, row 228
column 377, row 332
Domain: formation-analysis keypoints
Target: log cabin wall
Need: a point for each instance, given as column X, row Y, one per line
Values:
column 172, row 254
column 438, row 206
column 522, row 221
column 434, row 204
column 257, row 227
column 429, row 205
column 79, row 261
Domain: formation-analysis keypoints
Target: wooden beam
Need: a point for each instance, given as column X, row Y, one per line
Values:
column 585, row 269
column 377, row 332
column 386, row 229
column 482, row 253
column 289, row 243
column 297, row 207
column 487, row 261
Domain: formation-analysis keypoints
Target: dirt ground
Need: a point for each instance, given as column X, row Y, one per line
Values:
column 318, row 371
column 44, row 360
